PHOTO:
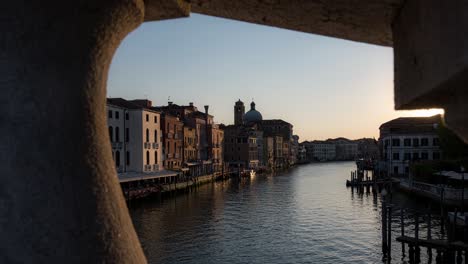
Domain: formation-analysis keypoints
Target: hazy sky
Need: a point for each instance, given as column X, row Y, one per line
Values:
column 325, row 87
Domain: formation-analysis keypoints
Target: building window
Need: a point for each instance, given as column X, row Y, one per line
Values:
column 424, row 156
column 395, row 170
column 386, row 142
column 155, row 119
column 396, row 156
column 147, row 117
column 396, row 142
column 147, row 158
column 147, row 135
column 127, row 117
column 117, row 158
column 155, row 135
column 127, row 135
column 407, row 156
column 117, row 134
column 155, row 157
column 109, row 114
column 424, row 142
column 435, row 155
column 128, row 158
column 407, row 142
column 116, row 114
column 415, row 156
column 111, row 132
column 435, row 141
column 415, row 142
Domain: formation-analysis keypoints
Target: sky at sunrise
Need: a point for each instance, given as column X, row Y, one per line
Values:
column 325, row 87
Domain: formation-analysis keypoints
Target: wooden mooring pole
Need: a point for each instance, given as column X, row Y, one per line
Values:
column 429, row 236
column 402, row 227
column 389, row 231
column 384, row 228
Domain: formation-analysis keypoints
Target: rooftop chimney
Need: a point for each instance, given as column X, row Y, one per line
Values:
column 191, row 104
column 169, row 103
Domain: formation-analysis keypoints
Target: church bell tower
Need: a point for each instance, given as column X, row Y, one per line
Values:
column 239, row 111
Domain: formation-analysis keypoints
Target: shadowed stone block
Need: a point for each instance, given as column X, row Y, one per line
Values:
column 431, row 59
column 359, row 20
column 60, row 200
column 166, row 9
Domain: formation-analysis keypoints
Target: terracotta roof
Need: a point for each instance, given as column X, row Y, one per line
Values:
column 411, row 124
column 128, row 104
column 405, row 121
column 123, row 103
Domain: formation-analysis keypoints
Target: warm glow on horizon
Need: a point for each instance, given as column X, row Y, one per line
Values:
column 422, row 112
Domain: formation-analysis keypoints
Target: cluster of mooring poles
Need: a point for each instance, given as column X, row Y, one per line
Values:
column 449, row 247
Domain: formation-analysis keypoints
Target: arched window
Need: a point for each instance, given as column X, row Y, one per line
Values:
column 147, row 135
column 155, row 157
column 147, row 158
column 117, row 134
column 128, row 158
column 111, row 131
column 155, row 135
column 117, row 158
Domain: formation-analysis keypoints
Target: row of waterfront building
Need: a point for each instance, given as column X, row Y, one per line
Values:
column 402, row 142
column 338, row 149
column 152, row 139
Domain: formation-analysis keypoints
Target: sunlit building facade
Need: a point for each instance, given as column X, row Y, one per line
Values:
column 134, row 131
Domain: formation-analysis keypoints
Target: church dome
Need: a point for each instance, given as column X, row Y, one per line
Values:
column 252, row 116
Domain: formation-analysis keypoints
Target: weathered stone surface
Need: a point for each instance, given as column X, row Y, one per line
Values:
column 60, row 201
column 166, row 9
column 431, row 59
column 359, row 20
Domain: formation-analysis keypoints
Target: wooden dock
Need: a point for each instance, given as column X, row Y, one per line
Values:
column 367, row 183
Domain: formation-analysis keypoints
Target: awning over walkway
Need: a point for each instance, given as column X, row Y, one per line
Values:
column 137, row 176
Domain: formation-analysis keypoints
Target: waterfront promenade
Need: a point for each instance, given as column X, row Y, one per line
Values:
column 140, row 185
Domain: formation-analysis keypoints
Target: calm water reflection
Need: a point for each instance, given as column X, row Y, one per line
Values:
column 305, row 215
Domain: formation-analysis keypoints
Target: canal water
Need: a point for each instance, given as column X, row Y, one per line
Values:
column 304, row 215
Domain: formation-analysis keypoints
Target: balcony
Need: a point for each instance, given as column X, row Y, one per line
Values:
column 147, row 145
column 155, row 167
column 169, row 155
column 117, row 145
column 155, row 145
column 170, row 135
column 148, row 168
column 177, row 155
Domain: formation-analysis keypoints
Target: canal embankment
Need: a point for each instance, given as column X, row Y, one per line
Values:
column 141, row 185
